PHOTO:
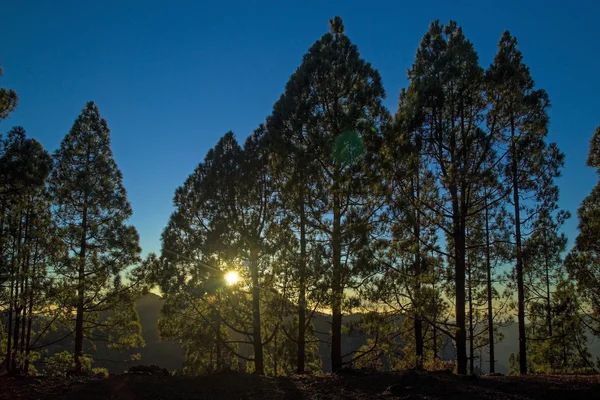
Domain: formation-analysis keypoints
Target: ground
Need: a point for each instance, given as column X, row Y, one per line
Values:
column 238, row 386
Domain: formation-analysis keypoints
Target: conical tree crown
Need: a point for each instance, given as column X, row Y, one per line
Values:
column 336, row 25
column 508, row 73
column 87, row 187
column 593, row 159
column 8, row 101
column 23, row 162
column 334, row 91
column 85, row 165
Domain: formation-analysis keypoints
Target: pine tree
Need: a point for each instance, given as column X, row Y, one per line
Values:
column 8, row 101
column 26, row 237
column 583, row 262
column 198, row 242
column 495, row 232
column 24, row 207
column 410, row 187
column 475, row 264
column 339, row 96
column 565, row 352
column 446, row 99
column 91, row 210
column 542, row 253
column 519, row 115
column 226, row 214
column 296, row 173
column 256, row 217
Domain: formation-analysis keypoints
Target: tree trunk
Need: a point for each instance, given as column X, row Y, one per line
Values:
column 480, row 360
column 24, row 289
column 10, row 317
column 2, row 236
column 419, row 343
column 30, row 312
column 471, row 330
column 488, row 265
column 17, row 307
column 548, row 303
column 257, row 338
column 459, row 282
column 336, row 288
column 519, row 256
column 435, row 346
column 275, row 373
column 418, row 320
column 302, row 289
column 218, row 343
column 80, row 293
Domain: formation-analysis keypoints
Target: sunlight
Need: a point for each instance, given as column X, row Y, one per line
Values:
column 232, row 277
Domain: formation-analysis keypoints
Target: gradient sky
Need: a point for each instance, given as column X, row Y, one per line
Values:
column 172, row 77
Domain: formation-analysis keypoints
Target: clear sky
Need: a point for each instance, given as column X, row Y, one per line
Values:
column 172, row 77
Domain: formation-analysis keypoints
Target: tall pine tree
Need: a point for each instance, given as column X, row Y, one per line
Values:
column 583, row 262
column 339, row 96
column 447, row 106
column 519, row 112
column 8, row 101
column 91, row 210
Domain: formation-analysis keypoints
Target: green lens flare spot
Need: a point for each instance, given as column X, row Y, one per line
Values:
column 348, row 148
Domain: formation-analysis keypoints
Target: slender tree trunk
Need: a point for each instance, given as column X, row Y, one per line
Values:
column 419, row 342
column 418, row 320
column 2, row 256
column 548, row 303
column 488, row 266
column 24, row 318
column 471, row 330
column 336, row 287
column 275, row 354
column 11, row 305
column 10, row 314
column 17, row 306
column 218, row 343
column 480, row 360
column 25, row 288
column 435, row 346
column 80, row 293
column 30, row 312
column 459, row 282
column 519, row 256
column 302, row 289
column 257, row 337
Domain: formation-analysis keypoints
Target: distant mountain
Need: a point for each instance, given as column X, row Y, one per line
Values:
column 167, row 354
column 510, row 344
column 170, row 355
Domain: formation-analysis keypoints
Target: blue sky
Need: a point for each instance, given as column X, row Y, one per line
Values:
column 172, row 77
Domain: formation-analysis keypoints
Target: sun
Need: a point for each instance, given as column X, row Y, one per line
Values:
column 232, row 277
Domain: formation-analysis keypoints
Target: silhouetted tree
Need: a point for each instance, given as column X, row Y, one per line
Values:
column 24, row 235
column 583, row 262
column 91, row 210
column 519, row 112
column 8, row 101
column 446, row 98
column 338, row 95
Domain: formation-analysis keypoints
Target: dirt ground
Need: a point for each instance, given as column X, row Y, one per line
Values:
column 407, row 385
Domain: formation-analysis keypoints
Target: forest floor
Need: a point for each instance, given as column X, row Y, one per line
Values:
column 407, row 385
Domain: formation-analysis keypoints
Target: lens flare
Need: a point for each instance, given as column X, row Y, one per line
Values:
column 232, row 277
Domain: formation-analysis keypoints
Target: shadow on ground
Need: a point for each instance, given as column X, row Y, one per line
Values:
column 408, row 385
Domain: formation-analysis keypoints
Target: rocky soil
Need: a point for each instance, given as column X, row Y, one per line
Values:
column 408, row 385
